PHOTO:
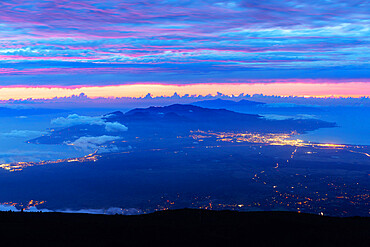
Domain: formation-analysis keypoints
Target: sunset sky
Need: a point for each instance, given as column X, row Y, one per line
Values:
column 130, row 48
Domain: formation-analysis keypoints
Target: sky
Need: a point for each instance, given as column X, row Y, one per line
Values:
column 109, row 47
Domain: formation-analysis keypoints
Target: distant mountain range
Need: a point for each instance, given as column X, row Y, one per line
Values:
column 221, row 103
column 177, row 119
column 182, row 113
column 248, row 106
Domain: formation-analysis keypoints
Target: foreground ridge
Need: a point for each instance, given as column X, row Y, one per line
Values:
column 185, row 227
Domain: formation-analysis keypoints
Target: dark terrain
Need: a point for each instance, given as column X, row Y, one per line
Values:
column 248, row 106
column 174, row 120
column 187, row 227
column 174, row 173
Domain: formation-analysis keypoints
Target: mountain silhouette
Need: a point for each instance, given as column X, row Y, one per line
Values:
column 178, row 119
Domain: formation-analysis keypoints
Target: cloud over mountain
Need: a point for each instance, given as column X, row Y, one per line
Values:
column 75, row 119
column 90, row 143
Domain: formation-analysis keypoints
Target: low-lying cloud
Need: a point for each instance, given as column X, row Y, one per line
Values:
column 89, row 143
column 23, row 133
column 7, row 207
column 115, row 127
column 75, row 119
column 109, row 211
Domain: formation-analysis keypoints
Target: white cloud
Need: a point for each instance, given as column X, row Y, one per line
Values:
column 75, row 119
column 115, row 127
column 110, row 211
column 82, row 211
column 4, row 207
column 35, row 209
column 89, row 143
column 23, row 133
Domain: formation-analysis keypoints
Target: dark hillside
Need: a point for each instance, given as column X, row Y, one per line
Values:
column 184, row 228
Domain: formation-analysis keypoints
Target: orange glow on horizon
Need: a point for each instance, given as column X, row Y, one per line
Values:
column 352, row 89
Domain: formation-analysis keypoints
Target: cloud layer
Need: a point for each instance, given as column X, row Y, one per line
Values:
column 75, row 119
column 113, row 42
column 109, row 211
column 92, row 143
column 23, row 133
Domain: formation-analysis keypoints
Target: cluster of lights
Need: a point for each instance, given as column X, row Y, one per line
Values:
column 277, row 139
column 25, row 206
column 19, row 166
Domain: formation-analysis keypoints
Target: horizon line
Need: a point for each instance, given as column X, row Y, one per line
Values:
column 282, row 89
